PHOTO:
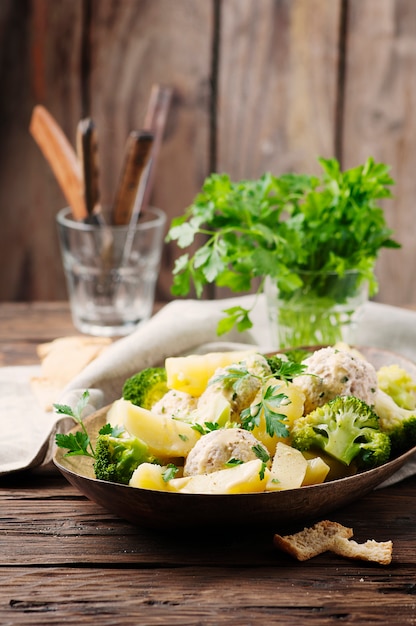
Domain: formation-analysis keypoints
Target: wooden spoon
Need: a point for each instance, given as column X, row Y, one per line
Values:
column 61, row 157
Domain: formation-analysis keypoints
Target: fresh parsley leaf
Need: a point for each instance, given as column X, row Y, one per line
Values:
column 236, row 316
column 208, row 427
column 232, row 376
column 80, row 443
column 64, row 409
column 272, row 399
column 115, row 431
column 76, row 414
column 170, row 472
column 262, row 471
column 285, row 369
column 234, row 462
column 199, row 428
column 261, row 453
column 77, row 444
column 250, row 417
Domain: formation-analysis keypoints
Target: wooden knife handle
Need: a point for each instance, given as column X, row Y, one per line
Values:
column 138, row 150
column 61, row 157
column 87, row 148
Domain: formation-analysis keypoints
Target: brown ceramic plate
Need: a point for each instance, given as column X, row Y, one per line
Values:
column 162, row 510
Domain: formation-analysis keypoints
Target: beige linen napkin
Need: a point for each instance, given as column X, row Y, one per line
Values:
column 181, row 327
column 28, row 432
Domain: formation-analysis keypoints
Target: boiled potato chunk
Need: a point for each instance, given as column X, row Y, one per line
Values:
column 336, row 468
column 288, row 468
column 116, row 413
column 192, row 373
column 149, row 476
column 316, row 471
column 292, row 408
column 165, row 436
column 217, row 411
column 250, row 477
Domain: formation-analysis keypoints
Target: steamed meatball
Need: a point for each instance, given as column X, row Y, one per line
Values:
column 214, row 450
column 176, row 404
column 331, row 372
column 242, row 396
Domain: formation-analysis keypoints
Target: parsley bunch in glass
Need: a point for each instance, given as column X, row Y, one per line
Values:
column 296, row 231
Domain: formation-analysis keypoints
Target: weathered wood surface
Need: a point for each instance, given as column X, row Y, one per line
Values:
column 378, row 118
column 37, row 322
column 64, row 559
column 24, row 325
column 278, row 85
column 101, row 59
column 259, row 86
column 28, row 509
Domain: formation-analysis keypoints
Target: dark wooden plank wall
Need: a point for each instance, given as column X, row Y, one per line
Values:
column 259, row 85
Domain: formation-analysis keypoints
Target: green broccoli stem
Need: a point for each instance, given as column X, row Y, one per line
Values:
column 342, row 446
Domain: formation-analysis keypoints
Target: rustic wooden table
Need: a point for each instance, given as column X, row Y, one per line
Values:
column 63, row 559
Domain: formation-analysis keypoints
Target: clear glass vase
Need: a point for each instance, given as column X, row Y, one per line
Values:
column 323, row 311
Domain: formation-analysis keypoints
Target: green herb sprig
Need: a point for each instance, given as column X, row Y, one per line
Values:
column 272, row 398
column 282, row 227
column 269, row 404
column 79, row 443
column 208, row 427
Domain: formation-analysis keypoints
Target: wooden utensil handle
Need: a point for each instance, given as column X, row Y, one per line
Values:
column 138, row 149
column 87, row 148
column 61, row 157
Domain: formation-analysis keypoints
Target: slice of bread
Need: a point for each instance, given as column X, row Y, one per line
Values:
column 312, row 541
column 330, row 536
column 371, row 550
column 61, row 360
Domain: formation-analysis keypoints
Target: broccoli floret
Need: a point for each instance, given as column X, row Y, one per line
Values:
column 398, row 423
column 146, row 387
column 347, row 429
column 398, row 384
column 116, row 457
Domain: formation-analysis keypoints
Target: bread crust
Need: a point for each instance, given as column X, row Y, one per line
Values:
column 330, row 536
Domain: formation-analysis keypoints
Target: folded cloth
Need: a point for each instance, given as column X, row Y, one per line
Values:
column 28, row 432
column 181, row 327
